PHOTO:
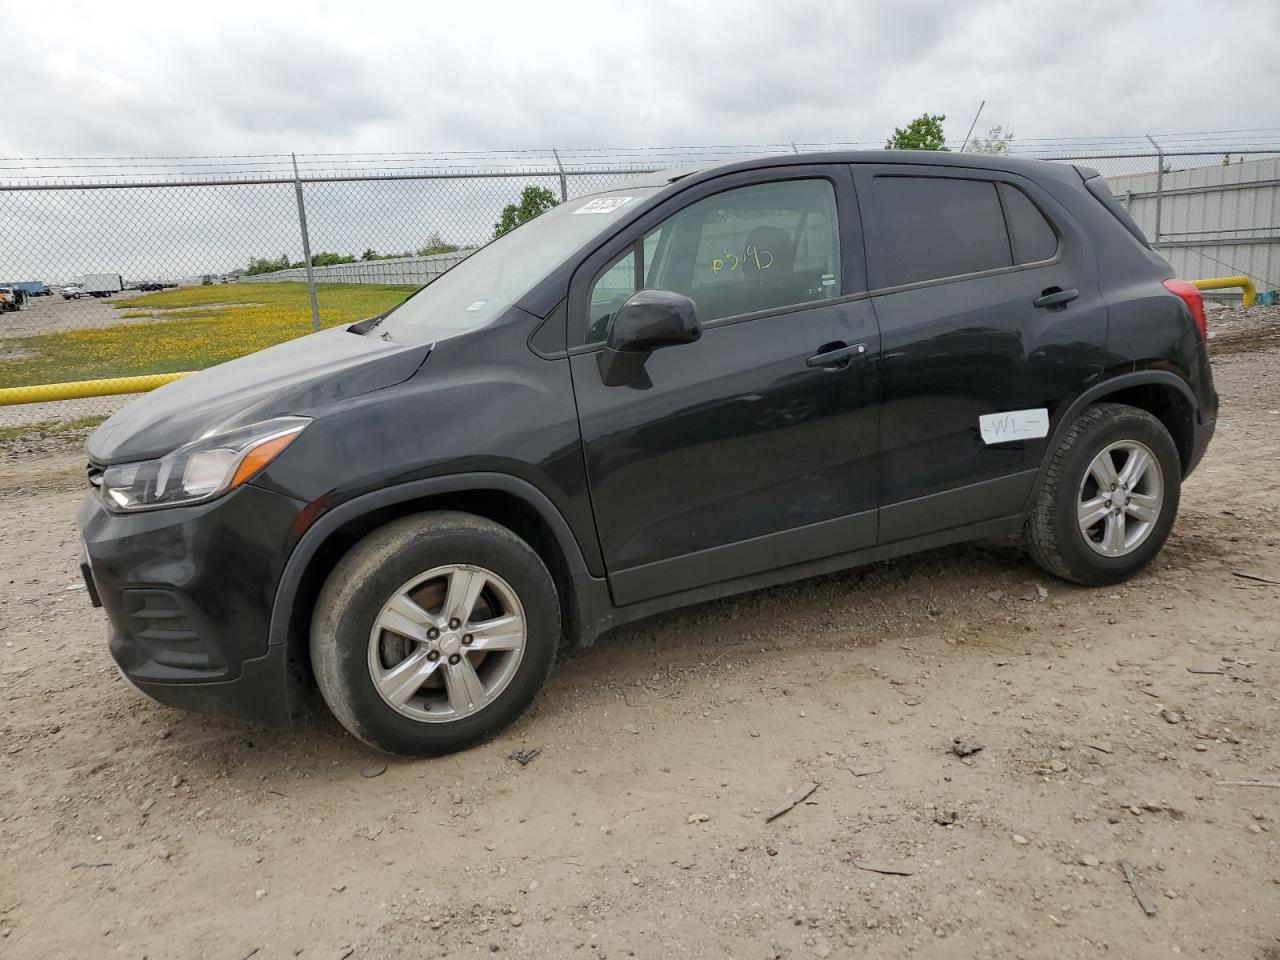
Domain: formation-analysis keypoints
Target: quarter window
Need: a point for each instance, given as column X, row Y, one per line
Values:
column 1033, row 238
column 608, row 293
column 940, row 227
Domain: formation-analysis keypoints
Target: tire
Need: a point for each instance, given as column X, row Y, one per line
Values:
column 419, row 562
column 1129, row 532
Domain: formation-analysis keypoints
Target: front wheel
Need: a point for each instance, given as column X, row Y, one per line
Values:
column 1109, row 496
column 434, row 632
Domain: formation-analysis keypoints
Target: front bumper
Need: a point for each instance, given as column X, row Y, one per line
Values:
column 267, row 691
column 188, row 594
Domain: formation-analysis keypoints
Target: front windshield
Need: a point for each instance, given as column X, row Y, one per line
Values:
column 484, row 285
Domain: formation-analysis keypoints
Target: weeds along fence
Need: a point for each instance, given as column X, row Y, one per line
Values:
column 163, row 247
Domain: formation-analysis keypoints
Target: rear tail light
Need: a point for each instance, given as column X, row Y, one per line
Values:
column 1190, row 295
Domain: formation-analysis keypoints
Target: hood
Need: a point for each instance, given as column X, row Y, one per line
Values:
column 298, row 377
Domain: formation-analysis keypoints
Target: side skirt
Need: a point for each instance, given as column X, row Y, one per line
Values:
column 734, row 561
column 599, row 614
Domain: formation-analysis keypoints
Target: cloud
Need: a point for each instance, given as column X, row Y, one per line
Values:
column 102, row 79
column 149, row 79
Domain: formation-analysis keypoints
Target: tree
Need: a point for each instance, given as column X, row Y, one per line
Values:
column 997, row 140
column 533, row 201
column 922, row 133
column 324, row 259
column 259, row 265
column 436, row 244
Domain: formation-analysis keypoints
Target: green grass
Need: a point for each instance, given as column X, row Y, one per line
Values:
column 190, row 328
column 42, row 427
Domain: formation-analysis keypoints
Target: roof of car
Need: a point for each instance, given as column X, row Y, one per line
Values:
column 982, row 161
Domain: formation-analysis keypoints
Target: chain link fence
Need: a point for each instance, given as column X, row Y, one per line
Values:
column 135, row 267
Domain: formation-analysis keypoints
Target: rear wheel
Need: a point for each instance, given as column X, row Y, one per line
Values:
column 1109, row 497
column 434, row 632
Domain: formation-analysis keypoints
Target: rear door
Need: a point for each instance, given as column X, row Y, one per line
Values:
column 746, row 450
column 958, row 260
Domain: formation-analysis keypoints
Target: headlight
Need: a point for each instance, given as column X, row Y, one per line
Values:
column 201, row 470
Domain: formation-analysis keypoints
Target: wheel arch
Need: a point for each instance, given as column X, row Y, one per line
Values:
column 510, row 501
column 1164, row 395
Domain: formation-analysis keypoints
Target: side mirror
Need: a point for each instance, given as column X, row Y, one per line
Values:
column 648, row 321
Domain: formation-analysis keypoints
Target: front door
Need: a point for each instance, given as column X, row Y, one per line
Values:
column 754, row 447
column 986, row 294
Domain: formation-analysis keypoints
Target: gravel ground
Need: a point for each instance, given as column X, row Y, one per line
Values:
column 1117, row 726
column 52, row 314
column 1233, row 328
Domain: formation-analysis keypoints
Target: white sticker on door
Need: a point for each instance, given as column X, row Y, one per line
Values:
column 1014, row 425
column 603, row 204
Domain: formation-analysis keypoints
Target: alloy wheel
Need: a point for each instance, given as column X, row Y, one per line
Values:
column 447, row 643
column 1120, row 498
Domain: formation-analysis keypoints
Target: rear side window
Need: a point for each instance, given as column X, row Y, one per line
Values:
column 1033, row 238
column 941, row 227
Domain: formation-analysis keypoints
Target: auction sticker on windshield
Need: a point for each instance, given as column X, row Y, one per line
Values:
column 604, row 204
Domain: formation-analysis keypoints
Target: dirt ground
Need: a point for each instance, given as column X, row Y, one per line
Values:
column 1116, row 724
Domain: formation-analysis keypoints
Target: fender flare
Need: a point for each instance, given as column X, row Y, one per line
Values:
column 310, row 542
column 1097, row 392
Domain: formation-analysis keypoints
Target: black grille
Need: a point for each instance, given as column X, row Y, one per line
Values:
column 95, row 475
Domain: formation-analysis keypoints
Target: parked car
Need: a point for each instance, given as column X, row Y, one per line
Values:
column 11, row 298
column 30, row 288
column 701, row 383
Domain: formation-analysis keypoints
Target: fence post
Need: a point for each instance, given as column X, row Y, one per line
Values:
column 1159, row 186
column 564, row 184
column 306, row 244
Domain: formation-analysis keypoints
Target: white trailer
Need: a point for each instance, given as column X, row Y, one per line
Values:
column 93, row 285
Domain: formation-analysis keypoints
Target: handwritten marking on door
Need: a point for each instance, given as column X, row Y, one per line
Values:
column 1014, row 425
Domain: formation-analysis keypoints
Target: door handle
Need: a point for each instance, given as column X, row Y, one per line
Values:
column 836, row 355
column 1055, row 297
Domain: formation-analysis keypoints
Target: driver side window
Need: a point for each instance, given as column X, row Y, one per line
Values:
column 745, row 250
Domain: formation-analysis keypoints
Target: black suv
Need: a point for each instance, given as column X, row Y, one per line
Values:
column 701, row 383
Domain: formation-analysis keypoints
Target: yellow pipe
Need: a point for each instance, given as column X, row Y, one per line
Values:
column 1247, row 297
column 79, row 389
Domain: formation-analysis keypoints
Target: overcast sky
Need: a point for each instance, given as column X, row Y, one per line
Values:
column 130, row 78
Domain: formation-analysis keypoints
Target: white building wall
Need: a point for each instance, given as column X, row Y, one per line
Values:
column 413, row 271
column 1215, row 221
